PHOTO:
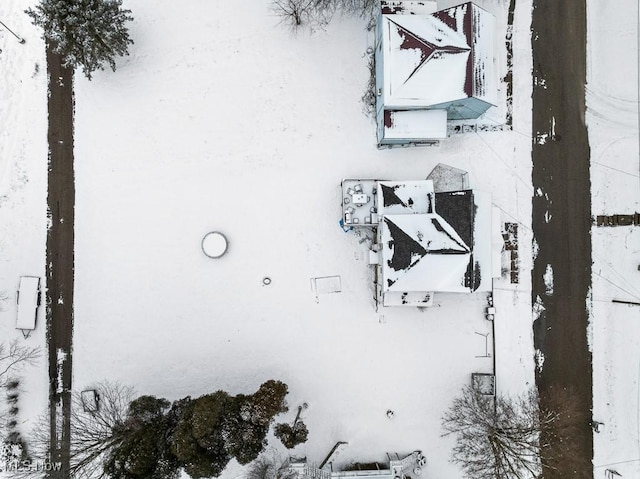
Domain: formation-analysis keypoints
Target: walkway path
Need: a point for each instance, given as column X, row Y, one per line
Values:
column 61, row 199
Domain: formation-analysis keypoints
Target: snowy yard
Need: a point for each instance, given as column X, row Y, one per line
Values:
column 23, row 188
column 222, row 120
column 612, row 117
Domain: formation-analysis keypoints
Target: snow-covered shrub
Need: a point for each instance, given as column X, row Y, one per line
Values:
column 291, row 436
column 369, row 97
column 318, row 13
column 4, row 297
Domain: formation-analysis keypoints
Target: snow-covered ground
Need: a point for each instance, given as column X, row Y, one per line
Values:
column 612, row 118
column 222, row 120
column 23, row 187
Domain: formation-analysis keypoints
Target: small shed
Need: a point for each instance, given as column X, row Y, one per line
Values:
column 28, row 300
column 448, row 178
column 484, row 383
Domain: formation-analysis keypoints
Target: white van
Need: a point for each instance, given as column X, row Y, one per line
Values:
column 28, row 299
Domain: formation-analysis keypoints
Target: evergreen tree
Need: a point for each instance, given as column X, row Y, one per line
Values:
column 268, row 401
column 87, row 33
column 243, row 437
column 153, row 439
column 147, row 409
column 196, row 440
column 144, row 452
column 248, row 418
column 291, row 436
column 214, row 428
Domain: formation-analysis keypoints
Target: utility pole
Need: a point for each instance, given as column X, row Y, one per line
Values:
column 20, row 39
column 621, row 301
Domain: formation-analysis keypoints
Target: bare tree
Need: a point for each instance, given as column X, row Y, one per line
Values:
column 366, row 9
column 498, row 438
column 266, row 466
column 94, row 431
column 13, row 357
column 270, row 465
column 369, row 97
column 297, row 14
column 559, row 444
column 4, row 297
column 145, row 437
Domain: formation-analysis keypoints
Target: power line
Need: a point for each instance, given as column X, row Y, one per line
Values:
column 629, row 284
column 638, row 74
column 616, row 169
column 513, row 172
column 616, row 463
column 20, row 39
column 617, row 286
column 513, row 217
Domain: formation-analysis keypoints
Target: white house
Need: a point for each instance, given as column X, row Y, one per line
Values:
column 400, row 468
column 430, row 68
column 426, row 240
column 431, row 242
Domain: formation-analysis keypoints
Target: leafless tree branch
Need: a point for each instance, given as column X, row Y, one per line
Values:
column 298, row 14
column 93, row 433
column 4, row 297
column 13, row 357
column 499, row 438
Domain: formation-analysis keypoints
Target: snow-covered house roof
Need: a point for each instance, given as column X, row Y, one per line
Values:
column 409, row 7
column 411, row 463
column 430, row 236
column 448, row 178
column 414, row 124
column 422, row 253
column 430, row 68
column 405, row 197
column 431, row 242
column 438, row 58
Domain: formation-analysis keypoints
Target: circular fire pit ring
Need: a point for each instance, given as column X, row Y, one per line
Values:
column 214, row 244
